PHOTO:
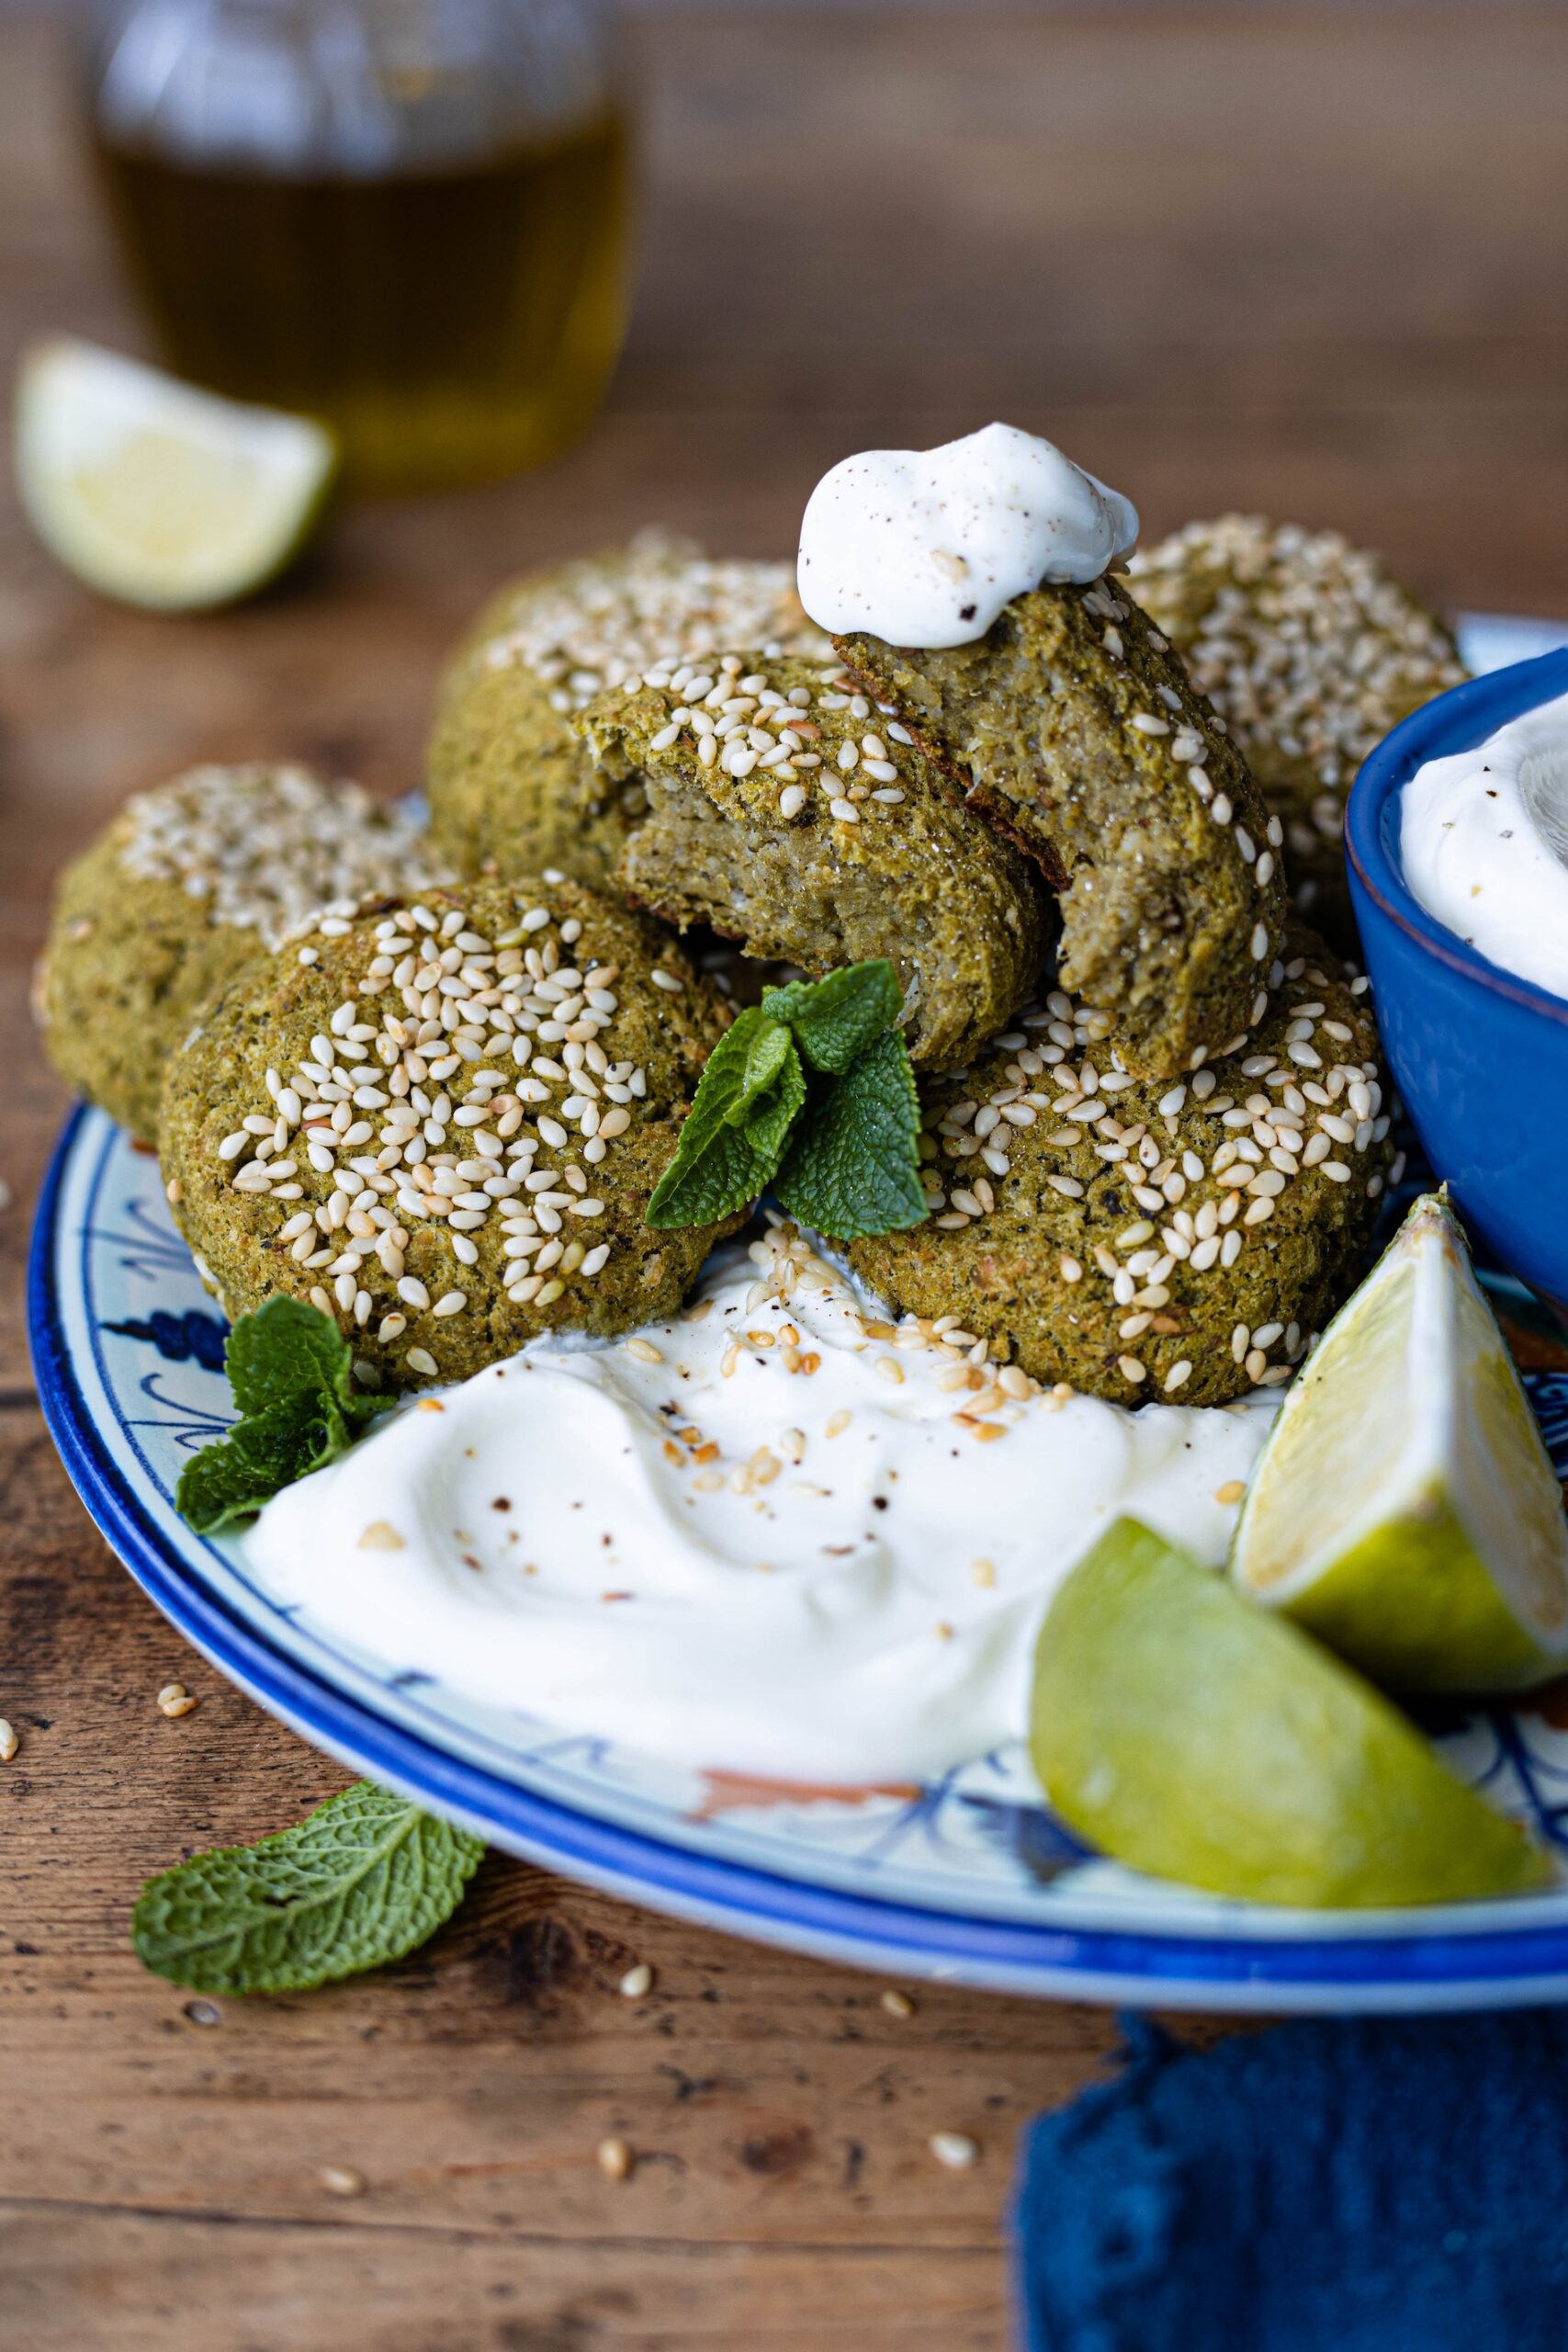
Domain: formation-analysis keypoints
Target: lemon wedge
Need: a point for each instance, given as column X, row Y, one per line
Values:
column 1404, row 1508
column 157, row 493
column 1187, row 1734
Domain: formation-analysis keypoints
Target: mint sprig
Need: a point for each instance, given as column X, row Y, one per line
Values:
column 291, row 1372
column 811, row 1091
column 362, row 1880
column 852, row 1168
column 834, row 1019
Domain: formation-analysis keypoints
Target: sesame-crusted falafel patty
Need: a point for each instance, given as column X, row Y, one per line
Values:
column 510, row 789
column 1146, row 1242
column 1312, row 651
column 785, row 813
column 1073, row 728
column 441, row 1123
column 193, row 881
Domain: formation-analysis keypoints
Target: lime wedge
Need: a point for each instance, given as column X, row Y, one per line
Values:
column 157, row 493
column 1188, row 1734
column 1404, row 1508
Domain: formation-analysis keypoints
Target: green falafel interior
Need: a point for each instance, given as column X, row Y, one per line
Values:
column 782, row 808
column 811, row 1092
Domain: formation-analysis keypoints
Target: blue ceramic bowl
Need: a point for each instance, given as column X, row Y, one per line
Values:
column 1480, row 1055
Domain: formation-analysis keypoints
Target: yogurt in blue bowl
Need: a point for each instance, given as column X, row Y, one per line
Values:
column 1456, row 838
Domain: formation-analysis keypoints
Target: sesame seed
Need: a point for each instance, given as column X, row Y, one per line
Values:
column 615, row 2159
column 9, row 1742
column 174, row 1699
column 956, row 2150
column 643, row 1350
column 636, row 1982
column 1307, row 647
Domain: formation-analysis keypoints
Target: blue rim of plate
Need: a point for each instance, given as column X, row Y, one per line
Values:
column 1391, row 1970
column 1487, row 1968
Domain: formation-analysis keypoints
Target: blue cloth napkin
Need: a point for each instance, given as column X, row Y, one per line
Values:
column 1365, row 2186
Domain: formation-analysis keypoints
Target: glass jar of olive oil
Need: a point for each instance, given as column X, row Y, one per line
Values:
column 406, row 217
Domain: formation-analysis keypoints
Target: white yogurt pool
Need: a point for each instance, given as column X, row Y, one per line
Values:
column 766, row 1535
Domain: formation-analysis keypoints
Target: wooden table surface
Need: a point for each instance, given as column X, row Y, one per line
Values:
column 1308, row 261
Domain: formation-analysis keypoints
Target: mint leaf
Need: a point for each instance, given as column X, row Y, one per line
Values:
column 854, row 1167
column 770, row 1118
column 835, row 1019
column 361, row 1880
column 749, row 1095
column 291, row 1372
column 767, row 1051
column 229, row 1481
column 843, row 1147
column 727, row 1177
column 286, row 1349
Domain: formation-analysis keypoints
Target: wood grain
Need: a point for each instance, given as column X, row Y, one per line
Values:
column 776, row 2110
column 1307, row 260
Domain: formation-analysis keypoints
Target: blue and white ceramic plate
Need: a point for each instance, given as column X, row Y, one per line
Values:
column 968, row 1879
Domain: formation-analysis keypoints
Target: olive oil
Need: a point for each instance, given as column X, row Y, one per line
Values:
column 450, row 324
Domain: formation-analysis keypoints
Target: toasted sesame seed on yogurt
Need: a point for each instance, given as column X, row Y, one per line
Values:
column 1483, row 841
column 777, row 1532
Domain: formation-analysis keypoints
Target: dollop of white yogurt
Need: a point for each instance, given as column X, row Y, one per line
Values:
column 1483, row 841
column 754, row 1538
column 924, row 547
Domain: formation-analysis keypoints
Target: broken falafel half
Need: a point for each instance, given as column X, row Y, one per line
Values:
column 785, row 813
column 1072, row 727
column 511, row 788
